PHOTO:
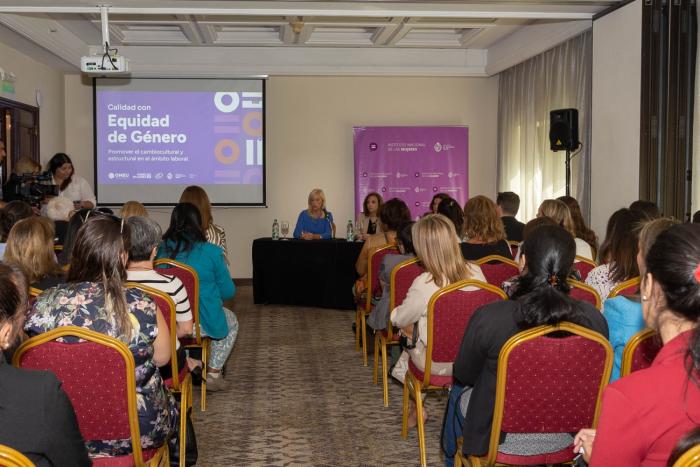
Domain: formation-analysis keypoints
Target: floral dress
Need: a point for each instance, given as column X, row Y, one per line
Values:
column 83, row 304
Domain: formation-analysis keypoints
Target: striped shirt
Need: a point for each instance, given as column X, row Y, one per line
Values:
column 168, row 284
column 216, row 235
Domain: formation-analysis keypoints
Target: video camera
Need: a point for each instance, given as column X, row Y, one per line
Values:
column 30, row 188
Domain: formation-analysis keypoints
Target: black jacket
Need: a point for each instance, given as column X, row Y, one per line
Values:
column 514, row 228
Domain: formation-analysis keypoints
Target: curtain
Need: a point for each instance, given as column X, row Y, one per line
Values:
column 695, row 164
column 556, row 79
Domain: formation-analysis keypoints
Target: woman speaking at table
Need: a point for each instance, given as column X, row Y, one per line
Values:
column 315, row 222
column 71, row 186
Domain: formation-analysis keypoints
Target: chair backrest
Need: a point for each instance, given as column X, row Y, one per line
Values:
column 514, row 247
column 402, row 277
column 375, row 260
column 549, row 384
column 449, row 312
column 626, row 288
column 640, row 351
column 690, row 458
column 98, row 375
column 583, row 266
column 12, row 458
column 34, row 292
column 189, row 278
column 497, row 269
column 166, row 305
column 584, row 293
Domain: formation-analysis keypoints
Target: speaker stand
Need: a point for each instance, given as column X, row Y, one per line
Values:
column 568, row 172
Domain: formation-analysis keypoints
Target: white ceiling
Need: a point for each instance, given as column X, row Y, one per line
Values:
column 214, row 38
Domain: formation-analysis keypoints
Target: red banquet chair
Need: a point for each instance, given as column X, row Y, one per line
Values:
column 583, row 266
column 535, row 377
column 514, row 247
column 640, row 351
column 402, row 277
column 497, row 269
column 449, row 312
column 180, row 383
column 373, row 288
column 626, row 288
column 98, row 375
column 584, row 293
column 189, row 278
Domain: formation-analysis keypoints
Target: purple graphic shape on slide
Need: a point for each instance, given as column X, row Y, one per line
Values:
column 411, row 163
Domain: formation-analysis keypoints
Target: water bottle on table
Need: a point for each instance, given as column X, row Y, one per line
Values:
column 350, row 232
column 275, row 230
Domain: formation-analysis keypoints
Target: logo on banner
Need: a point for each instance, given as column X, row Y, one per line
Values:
column 437, row 147
column 373, row 146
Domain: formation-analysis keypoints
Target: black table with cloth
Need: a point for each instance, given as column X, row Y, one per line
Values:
column 317, row 273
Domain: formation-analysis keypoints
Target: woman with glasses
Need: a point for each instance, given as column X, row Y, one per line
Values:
column 94, row 297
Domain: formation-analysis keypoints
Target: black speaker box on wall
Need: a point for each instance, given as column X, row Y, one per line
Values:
column 563, row 129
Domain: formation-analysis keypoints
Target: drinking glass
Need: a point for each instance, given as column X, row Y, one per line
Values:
column 359, row 225
column 285, row 229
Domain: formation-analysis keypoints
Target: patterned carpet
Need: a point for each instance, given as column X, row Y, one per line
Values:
column 299, row 395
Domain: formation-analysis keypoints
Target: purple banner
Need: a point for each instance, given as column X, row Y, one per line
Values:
column 179, row 137
column 411, row 163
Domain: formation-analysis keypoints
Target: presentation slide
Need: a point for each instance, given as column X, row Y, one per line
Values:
column 154, row 137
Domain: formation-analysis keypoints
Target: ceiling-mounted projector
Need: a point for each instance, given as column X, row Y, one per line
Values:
column 104, row 64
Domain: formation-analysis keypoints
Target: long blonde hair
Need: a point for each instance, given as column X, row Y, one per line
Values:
column 481, row 221
column 196, row 195
column 559, row 212
column 30, row 245
column 437, row 247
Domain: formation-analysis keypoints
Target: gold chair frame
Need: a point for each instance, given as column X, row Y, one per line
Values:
column 631, row 346
column 363, row 311
column 182, row 388
column 201, row 342
column 512, row 343
column 162, row 456
column 623, row 285
column 690, row 458
column 34, row 292
column 414, row 387
column 583, row 286
column 12, row 458
column 583, row 259
column 381, row 342
column 499, row 258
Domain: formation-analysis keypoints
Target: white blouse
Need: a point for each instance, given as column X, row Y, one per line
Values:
column 78, row 190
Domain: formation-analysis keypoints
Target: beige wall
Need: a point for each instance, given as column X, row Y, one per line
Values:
column 33, row 76
column 309, row 141
column 617, row 48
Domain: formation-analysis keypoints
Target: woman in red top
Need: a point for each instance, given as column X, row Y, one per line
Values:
column 646, row 413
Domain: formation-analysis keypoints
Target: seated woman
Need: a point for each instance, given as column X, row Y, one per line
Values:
column 94, row 298
column 215, row 233
column 368, row 220
column 394, row 213
column 437, row 248
column 581, row 230
column 133, row 208
column 542, row 297
column 380, row 315
column 315, row 222
column 624, row 313
column 184, row 241
column 484, row 230
column 435, row 202
column 30, row 245
column 37, row 416
column 70, row 185
column 618, row 254
column 559, row 212
column 644, row 414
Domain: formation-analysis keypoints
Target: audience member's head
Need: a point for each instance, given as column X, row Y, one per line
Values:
column 184, row 231
column 25, row 165
column 99, row 255
column 76, row 221
column 372, row 204
column 437, row 199
column 649, row 208
column 198, row 197
column 404, row 238
column 558, row 212
column 133, row 208
column 481, row 221
column 143, row 239
column 508, row 203
column 393, row 214
column 30, row 245
column 13, row 212
column 107, row 211
column 696, row 217
column 542, row 289
column 581, row 230
column 647, row 236
column 12, row 304
column 451, row 209
column 437, row 248
column 534, row 223
column 59, row 208
column 619, row 250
